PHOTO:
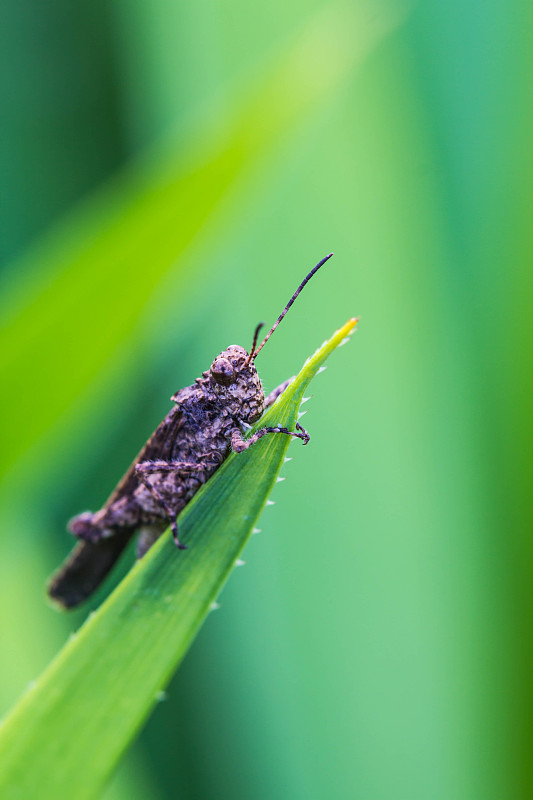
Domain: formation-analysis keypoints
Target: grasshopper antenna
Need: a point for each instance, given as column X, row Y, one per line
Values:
column 289, row 304
column 256, row 334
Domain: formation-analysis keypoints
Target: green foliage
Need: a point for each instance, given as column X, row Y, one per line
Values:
column 380, row 625
column 74, row 724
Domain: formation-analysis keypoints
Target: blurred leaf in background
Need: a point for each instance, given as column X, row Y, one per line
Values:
column 171, row 170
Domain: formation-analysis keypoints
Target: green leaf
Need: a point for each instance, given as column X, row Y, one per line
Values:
column 69, row 730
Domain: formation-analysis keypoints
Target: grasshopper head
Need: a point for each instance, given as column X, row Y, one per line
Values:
column 234, row 380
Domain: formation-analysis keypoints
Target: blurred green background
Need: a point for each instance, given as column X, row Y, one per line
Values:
column 170, row 173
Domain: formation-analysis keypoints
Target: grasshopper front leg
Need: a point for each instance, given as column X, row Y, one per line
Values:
column 239, row 444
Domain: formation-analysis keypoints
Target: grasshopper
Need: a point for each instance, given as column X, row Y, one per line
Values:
column 206, row 423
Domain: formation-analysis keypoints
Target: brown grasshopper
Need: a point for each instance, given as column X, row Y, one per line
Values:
column 205, row 424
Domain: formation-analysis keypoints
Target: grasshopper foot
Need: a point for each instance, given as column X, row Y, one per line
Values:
column 304, row 435
column 179, row 545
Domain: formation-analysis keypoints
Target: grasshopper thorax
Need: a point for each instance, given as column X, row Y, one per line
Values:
column 233, row 379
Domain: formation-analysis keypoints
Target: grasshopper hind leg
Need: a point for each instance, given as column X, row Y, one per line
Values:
column 86, row 567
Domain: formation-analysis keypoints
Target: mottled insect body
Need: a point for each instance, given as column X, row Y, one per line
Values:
column 205, row 424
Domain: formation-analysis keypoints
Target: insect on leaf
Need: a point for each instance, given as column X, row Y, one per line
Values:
column 69, row 730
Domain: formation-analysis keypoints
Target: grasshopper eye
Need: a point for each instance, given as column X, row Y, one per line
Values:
column 222, row 372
